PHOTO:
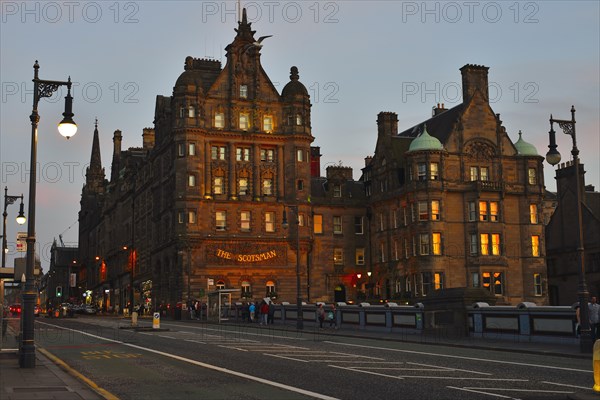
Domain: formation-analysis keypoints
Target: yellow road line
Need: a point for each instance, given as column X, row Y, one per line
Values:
column 102, row 392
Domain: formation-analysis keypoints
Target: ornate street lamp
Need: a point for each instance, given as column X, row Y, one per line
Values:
column 67, row 128
column 300, row 316
column 553, row 157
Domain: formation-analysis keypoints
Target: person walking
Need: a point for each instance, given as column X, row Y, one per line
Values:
column 332, row 317
column 271, row 318
column 321, row 315
column 252, row 309
column 264, row 313
column 594, row 310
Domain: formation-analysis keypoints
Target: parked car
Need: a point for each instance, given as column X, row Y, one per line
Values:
column 85, row 309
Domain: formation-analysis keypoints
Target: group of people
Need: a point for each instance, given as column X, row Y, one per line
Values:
column 263, row 311
column 329, row 316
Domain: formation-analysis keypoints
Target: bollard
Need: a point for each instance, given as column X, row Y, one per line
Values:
column 596, row 360
column 134, row 316
column 156, row 321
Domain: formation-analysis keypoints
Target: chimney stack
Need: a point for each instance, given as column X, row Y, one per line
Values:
column 387, row 123
column 474, row 77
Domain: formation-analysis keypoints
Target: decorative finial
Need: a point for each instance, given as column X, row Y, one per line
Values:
column 294, row 74
column 96, row 124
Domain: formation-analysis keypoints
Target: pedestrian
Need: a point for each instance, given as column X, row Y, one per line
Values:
column 321, row 315
column 594, row 310
column 252, row 309
column 577, row 320
column 257, row 311
column 271, row 318
column 264, row 313
column 332, row 317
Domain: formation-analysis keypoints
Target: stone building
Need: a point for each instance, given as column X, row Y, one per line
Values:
column 226, row 193
column 201, row 205
column 453, row 202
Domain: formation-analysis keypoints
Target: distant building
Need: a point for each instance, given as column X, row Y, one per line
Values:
column 63, row 263
column 451, row 202
column 562, row 237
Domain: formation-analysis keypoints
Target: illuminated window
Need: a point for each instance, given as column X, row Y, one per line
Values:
column 217, row 152
column 434, row 174
column 221, row 220
column 243, row 186
column 532, row 176
column 533, row 214
column 220, row 285
column 191, row 180
column 436, row 243
column 483, row 211
column 218, row 185
column 360, row 256
column 267, row 155
column 474, row 173
column 318, row 223
column 338, row 256
column 270, row 288
column 300, row 155
column 244, row 121
column 438, row 280
column 496, row 244
column 192, row 217
column 219, row 120
column 269, row 221
column 245, row 221
column 267, row 186
column 484, row 174
column 268, row 123
column 535, row 246
column 242, row 154
column 246, row 289
column 485, row 244
column 244, row 91
column 192, row 149
column 494, row 213
column 191, row 112
column 301, row 219
column 435, row 210
column 298, row 119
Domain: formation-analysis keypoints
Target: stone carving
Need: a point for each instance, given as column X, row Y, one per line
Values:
column 480, row 150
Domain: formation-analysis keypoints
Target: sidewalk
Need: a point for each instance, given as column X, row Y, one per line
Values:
column 46, row 381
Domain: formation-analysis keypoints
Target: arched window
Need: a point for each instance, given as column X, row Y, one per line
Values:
column 220, row 284
column 270, row 288
column 246, row 289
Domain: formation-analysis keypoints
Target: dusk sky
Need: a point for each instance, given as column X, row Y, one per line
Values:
column 356, row 58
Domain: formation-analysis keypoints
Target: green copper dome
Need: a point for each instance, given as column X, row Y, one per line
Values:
column 425, row 142
column 524, row 148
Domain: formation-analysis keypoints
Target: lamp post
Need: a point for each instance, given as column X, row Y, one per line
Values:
column 300, row 316
column 20, row 220
column 67, row 128
column 553, row 157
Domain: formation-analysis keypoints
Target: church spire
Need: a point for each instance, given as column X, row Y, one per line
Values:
column 94, row 175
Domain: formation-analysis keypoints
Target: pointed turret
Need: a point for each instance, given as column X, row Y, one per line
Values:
column 94, row 175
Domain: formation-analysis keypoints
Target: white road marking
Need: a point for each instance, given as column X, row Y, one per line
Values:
column 450, row 369
column 195, row 341
column 477, row 391
column 287, row 358
column 167, row 337
column 245, row 333
column 459, row 357
column 565, row 385
column 243, row 375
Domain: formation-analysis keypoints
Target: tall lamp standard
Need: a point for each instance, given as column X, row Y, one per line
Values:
column 300, row 316
column 553, row 157
column 67, row 128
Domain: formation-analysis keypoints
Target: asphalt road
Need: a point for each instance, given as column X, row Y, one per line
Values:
column 205, row 361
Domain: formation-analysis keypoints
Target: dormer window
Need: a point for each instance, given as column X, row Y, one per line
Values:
column 243, row 91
